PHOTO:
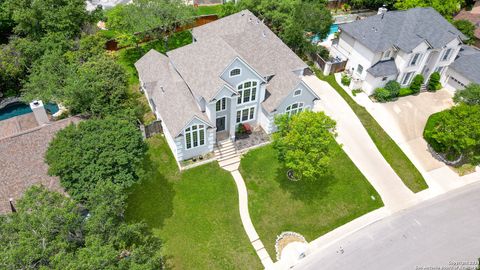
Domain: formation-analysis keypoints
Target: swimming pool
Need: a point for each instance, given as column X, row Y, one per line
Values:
column 332, row 31
column 19, row 108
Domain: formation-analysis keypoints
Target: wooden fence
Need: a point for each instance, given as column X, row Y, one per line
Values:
column 326, row 66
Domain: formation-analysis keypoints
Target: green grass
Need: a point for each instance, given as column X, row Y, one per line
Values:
column 392, row 153
column 208, row 10
column 194, row 212
column 311, row 208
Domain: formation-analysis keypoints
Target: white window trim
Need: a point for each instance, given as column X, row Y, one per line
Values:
column 191, row 136
column 409, row 79
column 359, row 73
column 387, row 55
column 241, row 94
column 297, row 94
column 419, row 59
column 230, row 72
column 221, row 101
column 241, row 114
column 297, row 110
column 445, row 54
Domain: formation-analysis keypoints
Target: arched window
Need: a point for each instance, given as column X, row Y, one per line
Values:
column 247, row 92
column 297, row 92
column 194, row 136
column 235, row 72
column 294, row 108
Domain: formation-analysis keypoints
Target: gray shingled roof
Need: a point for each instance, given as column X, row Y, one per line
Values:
column 403, row 29
column 467, row 63
column 168, row 91
column 281, row 84
column 383, row 68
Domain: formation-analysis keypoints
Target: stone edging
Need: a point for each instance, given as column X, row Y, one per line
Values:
column 281, row 236
column 10, row 100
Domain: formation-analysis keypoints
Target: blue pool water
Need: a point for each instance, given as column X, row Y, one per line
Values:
column 17, row 109
column 333, row 30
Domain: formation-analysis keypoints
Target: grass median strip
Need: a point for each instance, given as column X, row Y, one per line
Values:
column 392, row 153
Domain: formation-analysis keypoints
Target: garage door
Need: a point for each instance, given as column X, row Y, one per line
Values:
column 455, row 83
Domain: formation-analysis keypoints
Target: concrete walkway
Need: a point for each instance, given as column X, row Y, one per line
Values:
column 358, row 145
column 231, row 164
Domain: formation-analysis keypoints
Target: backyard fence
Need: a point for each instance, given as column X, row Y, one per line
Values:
column 328, row 67
column 150, row 129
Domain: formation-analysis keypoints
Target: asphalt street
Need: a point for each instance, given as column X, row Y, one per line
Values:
column 442, row 233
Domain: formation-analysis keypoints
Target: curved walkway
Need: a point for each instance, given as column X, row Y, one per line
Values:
column 244, row 214
column 360, row 148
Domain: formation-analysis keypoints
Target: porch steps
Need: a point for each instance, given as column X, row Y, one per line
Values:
column 423, row 87
column 226, row 154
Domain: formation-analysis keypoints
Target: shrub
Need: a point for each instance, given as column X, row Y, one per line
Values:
column 406, row 92
column 470, row 95
column 434, row 82
column 382, row 95
column 356, row 91
column 323, row 52
column 346, row 80
column 393, row 87
column 416, row 83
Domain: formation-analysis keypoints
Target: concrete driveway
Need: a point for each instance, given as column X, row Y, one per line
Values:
column 406, row 119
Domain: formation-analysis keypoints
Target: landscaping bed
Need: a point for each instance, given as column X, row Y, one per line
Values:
column 194, row 212
column 392, row 153
column 311, row 208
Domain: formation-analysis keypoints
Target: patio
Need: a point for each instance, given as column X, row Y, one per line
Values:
column 257, row 137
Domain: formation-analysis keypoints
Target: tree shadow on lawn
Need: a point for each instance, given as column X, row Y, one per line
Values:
column 303, row 189
column 151, row 199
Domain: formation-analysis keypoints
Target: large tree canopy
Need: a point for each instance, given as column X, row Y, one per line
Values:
column 94, row 151
column 51, row 231
column 456, row 132
column 467, row 28
column 304, row 141
column 445, row 7
column 34, row 19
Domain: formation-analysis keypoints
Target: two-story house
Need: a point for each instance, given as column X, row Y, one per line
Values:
column 235, row 71
column 397, row 45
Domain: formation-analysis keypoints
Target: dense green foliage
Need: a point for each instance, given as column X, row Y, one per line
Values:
column 467, row 28
column 95, row 151
column 289, row 19
column 470, row 95
column 346, row 80
column 406, row 91
column 389, row 92
column 388, row 148
column 434, row 82
column 456, row 132
column 303, row 142
column 447, row 8
column 51, row 231
column 393, row 87
column 416, row 83
column 277, row 204
column 373, row 4
column 154, row 18
column 195, row 212
column 381, row 94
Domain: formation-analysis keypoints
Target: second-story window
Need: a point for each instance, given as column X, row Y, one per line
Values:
column 221, row 105
column 247, row 92
column 297, row 92
column 294, row 108
column 447, row 54
column 235, row 72
column 415, row 59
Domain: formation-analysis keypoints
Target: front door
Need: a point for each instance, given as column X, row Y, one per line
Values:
column 220, row 123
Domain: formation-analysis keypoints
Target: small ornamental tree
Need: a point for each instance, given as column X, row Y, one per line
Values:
column 95, row 151
column 416, row 83
column 304, row 141
column 434, row 82
column 470, row 95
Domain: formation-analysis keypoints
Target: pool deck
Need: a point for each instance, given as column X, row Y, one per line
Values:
column 18, row 124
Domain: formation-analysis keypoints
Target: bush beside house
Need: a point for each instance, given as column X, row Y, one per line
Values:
column 389, row 92
column 434, row 82
column 416, row 83
column 346, row 80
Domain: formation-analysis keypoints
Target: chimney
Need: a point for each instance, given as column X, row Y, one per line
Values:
column 382, row 10
column 39, row 112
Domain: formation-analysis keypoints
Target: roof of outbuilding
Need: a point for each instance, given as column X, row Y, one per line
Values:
column 467, row 63
column 403, row 29
column 168, row 91
column 383, row 68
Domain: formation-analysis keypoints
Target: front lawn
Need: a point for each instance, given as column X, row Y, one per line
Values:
column 194, row 212
column 392, row 153
column 313, row 208
column 208, row 10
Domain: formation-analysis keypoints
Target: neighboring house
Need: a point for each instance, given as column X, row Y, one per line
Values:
column 236, row 71
column 474, row 17
column 397, row 45
column 464, row 70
